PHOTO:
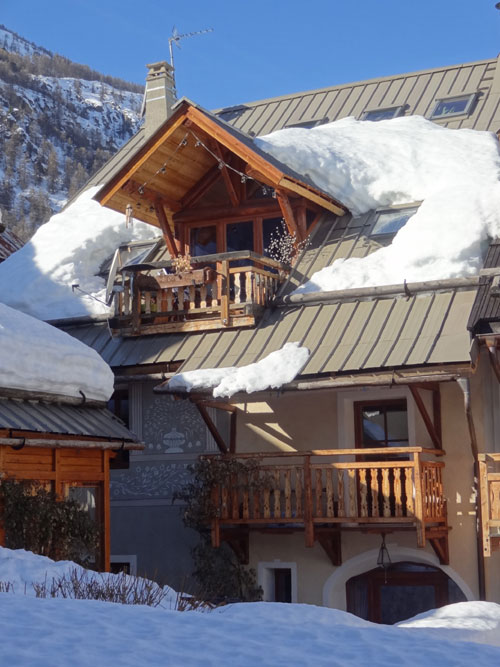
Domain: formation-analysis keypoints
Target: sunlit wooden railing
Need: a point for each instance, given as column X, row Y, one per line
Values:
column 316, row 487
column 227, row 289
column 489, row 481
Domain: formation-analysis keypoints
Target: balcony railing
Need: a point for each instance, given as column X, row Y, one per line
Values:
column 223, row 290
column 489, row 480
column 315, row 488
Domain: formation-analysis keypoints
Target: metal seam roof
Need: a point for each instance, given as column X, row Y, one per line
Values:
column 39, row 417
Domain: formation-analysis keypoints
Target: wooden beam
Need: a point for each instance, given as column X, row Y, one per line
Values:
column 322, row 199
column 331, row 542
column 153, row 196
column 106, row 525
column 212, row 428
column 288, row 215
column 201, row 187
column 227, row 139
column 233, row 196
column 125, row 174
column 66, row 443
column 247, row 209
column 435, row 436
column 165, row 228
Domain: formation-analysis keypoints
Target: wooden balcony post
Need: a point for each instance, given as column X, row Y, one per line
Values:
column 483, row 505
column 308, row 503
column 224, row 292
column 419, row 507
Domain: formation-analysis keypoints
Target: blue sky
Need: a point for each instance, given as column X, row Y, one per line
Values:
column 260, row 48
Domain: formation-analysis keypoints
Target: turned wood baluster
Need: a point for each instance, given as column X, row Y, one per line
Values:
column 147, row 303
column 308, row 503
column 192, row 297
column 126, row 300
column 409, row 492
column 277, row 495
column 340, row 483
column 244, row 480
column 363, row 493
column 288, row 494
column 237, row 287
column 235, row 503
column 397, row 492
column 298, row 491
column 329, row 493
column 266, row 503
column 351, row 476
column 386, row 492
column 248, row 287
column 319, row 492
column 256, row 496
column 203, row 296
column 374, row 490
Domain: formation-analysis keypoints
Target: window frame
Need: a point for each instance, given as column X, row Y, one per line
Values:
column 390, row 209
column 472, row 97
column 308, row 124
column 377, row 403
column 266, row 579
column 398, row 111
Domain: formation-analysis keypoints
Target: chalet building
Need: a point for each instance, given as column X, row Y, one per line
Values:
column 9, row 242
column 383, row 451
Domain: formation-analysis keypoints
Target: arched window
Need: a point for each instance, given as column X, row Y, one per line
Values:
column 400, row 592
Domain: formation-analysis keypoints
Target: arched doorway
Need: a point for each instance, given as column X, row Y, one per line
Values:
column 401, row 591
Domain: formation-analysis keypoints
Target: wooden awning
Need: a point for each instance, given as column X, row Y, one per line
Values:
column 185, row 157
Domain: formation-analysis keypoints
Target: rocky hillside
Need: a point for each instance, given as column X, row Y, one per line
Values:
column 59, row 122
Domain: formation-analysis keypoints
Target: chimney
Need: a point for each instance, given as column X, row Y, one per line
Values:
column 159, row 96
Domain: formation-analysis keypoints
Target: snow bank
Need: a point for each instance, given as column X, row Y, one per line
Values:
column 70, row 248
column 367, row 165
column 23, row 568
column 467, row 621
column 35, row 356
column 269, row 634
column 272, row 372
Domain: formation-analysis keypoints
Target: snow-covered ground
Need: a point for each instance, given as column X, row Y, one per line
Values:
column 68, row 250
column 61, row 632
column 35, row 356
column 368, row 165
column 272, row 372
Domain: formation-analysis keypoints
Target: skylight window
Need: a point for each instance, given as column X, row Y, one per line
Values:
column 453, row 106
column 390, row 221
column 308, row 124
column 382, row 114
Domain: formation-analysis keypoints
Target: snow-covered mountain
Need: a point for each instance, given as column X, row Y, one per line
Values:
column 59, row 122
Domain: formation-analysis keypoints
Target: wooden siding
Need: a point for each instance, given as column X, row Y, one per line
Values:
column 63, row 468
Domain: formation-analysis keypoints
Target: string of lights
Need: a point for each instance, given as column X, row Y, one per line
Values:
column 221, row 164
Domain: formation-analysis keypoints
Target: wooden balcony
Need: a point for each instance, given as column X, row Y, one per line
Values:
column 322, row 493
column 225, row 290
column 489, row 480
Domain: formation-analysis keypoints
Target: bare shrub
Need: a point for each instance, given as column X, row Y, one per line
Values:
column 120, row 588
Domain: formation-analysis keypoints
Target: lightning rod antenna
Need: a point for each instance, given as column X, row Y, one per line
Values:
column 175, row 39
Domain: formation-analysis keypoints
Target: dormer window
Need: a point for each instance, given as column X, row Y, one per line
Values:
column 459, row 105
column 382, row 114
column 390, row 220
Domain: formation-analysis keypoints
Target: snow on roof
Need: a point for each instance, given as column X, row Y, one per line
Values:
column 271, row 372
column 69, row 249
column 367, row 165
column 37, row 357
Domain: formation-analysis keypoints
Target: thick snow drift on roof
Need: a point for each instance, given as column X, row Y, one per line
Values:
column 56, row 632
column 35, row 356
column 272, row 372
column 68, row 249
column 367, row 165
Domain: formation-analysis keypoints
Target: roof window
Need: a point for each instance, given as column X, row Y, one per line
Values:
column 382, row 114
column 390, row 220
column 453, row 106
column 308, row 124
